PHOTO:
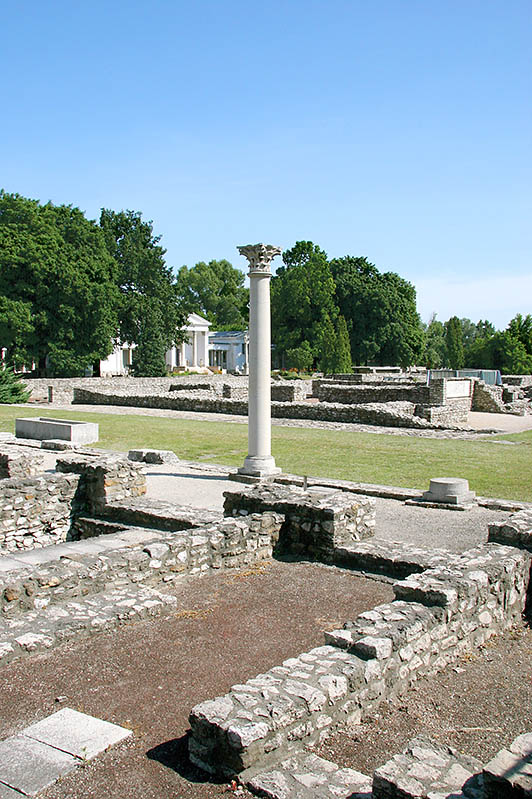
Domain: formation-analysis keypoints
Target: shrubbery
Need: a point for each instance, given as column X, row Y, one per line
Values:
column 11, row 387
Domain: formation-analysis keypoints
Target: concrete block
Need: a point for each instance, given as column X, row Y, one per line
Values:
column 29, row 766
column 77, row 733
column 42, row 427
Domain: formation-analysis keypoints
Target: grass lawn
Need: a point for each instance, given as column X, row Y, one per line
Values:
column 493, row 469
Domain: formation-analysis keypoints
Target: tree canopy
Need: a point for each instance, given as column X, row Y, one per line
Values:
column 148, row 301
column 216, row 291
column 380, row 311
column 57, row 284
column 302, row 293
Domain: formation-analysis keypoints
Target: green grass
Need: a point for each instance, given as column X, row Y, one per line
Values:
column 493, row 469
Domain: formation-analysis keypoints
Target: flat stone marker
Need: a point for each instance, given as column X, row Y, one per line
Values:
column 77, row 733
column 29, row 766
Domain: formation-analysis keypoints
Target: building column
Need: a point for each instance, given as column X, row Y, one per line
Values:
column 194, row 348
column 183, row 355
column 259, row 462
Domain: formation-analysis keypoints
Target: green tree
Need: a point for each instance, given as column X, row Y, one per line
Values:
column 149, row 354
column 335, row 351
column 380, row 311
column 502, row 351
column 149, row 304
column 343, row 349
column 520, row 327
column 454, row 343
column 302, row 297
column 15, row 328
column 11, row 388
column 58, row 285
column 435, row 349
column 300, row 358
column 216, row 291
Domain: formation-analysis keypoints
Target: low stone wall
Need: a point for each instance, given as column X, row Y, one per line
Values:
column 455, row 412
column 63, row 387
column 36, row 511
column 389, row 414
column 517, row 380
column 157, row 514
column 436, row 617
column 487, row 399
column 230, row 543
column 515, row 531
column 316, row 521
column 210, row 387
column 106, row 478
column 362, row 394
column 19, row 462
column 502, row 399
column 280, row 392
column 235, row 392
column 291, row 391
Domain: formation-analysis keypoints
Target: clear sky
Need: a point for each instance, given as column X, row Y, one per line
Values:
column 395, row 129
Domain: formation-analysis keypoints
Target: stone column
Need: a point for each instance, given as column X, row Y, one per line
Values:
column 194, row 348
column 259, row 462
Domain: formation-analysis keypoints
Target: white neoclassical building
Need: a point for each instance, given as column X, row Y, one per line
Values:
column 192, row 354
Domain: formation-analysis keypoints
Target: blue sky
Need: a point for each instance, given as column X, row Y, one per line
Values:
column 395, row 129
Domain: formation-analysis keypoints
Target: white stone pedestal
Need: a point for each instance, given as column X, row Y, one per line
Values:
column 259, row 461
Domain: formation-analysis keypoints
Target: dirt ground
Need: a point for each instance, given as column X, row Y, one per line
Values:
column 229, row 627
column 478, row 706
column 149, row 674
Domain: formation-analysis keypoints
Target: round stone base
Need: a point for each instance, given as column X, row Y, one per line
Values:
column 257, row 466
column 450, row 490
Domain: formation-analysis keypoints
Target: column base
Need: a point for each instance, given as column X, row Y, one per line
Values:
column 256, row 466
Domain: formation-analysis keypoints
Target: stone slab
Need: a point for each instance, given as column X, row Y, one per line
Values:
column 8, row 793
column 42, row 427
column 29, row 766
column 77, row 733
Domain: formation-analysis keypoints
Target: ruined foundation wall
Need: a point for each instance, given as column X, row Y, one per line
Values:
column 436, row 617
column 36, row 511
column 389, row 415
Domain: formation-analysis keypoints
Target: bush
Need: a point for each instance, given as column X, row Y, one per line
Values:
column 11, row 388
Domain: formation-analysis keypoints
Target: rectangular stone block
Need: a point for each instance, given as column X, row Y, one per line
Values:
column 42, row 427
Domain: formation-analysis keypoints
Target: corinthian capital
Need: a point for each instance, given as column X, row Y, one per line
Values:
column 259, row 256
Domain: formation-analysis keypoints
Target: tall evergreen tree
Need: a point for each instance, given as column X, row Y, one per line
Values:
column 342, row 348
column 454, row 343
